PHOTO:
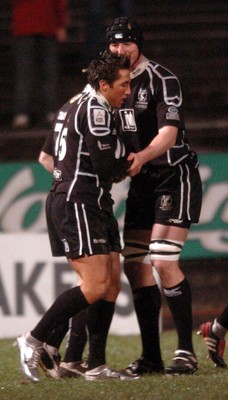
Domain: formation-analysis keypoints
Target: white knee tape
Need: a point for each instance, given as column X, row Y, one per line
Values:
column 135, row 251
column 167, row 250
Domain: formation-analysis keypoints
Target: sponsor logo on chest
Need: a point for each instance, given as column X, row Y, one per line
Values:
column 127, row 117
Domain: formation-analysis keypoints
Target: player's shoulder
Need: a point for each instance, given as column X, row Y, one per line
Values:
column 160, row 70
column 70, row 104
column 99, row 117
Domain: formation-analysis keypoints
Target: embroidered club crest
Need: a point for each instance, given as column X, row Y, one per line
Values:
column 166, row 203
column 142, row 95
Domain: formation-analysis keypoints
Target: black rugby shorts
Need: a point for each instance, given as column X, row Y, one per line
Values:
column 168, row 196
column 75, row 229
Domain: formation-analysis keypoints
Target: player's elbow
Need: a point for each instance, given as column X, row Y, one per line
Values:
column 46, row 161
column 41, row 158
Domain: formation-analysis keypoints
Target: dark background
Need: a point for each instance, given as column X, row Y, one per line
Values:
column 188, row 37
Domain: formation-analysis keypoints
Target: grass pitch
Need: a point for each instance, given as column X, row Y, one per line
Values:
column 208, row 383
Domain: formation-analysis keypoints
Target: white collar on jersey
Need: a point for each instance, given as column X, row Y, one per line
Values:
column 100, row 98
column 140, row 67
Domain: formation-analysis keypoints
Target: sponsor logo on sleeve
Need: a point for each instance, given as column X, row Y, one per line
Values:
column 173, row 114
column 99, row 116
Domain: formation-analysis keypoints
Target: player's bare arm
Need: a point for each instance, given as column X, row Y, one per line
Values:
column 165, row 139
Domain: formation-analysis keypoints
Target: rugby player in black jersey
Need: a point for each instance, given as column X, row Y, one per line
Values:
column 88, row 157
column 164, row 199
column 165, row 190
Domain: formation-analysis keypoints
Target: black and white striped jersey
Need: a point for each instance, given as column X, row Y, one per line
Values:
column 88, row 153
column 155, row 101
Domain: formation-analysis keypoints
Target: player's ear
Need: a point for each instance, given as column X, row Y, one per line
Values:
column 103, row 85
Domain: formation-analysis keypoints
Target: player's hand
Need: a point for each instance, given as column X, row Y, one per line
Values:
column 136, row 163
column 125, row 174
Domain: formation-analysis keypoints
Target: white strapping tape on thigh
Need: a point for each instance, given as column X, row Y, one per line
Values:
column 167, row 250
column 135, row 251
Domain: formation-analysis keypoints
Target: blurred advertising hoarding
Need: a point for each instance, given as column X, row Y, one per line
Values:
column 31, row 279
column 24, row 187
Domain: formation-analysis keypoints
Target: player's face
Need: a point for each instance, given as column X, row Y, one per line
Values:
column 119, row 90
column 129, row 48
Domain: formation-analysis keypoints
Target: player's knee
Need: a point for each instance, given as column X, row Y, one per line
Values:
column 96, row 292
column 163, row 250
column 115, row 286
column 135, row 252
column 114, row 291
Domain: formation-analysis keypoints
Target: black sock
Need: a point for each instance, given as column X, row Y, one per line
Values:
column 223, row 318
column 179, row 300
column 66, row 305
column 99, row 320
column 57, row 335
column 78, row 337
column 147, row 302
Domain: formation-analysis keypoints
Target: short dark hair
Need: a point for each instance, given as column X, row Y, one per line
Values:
column 106, row 67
